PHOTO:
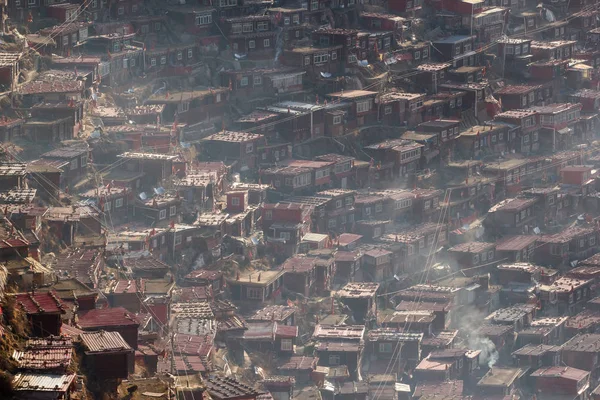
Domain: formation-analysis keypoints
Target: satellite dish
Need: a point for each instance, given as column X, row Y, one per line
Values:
column 536, row 230
column 143, row 196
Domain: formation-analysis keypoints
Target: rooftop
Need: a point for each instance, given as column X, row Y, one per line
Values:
column 31, row 382
column 393, row 334
column 236, row 137
column 265, row 278
column 454, row 39
column 346, row 332
column 352, row 94
column 515, row 243
column 472, row 247
column 569, row 373
column 56, row 86
column 104, row 342
column 588, row 343
column 105, row 318
column 45, row 354
column 516, row 114
column 555, row 108
column 517, row 89
column 221, row 388
column 513, row 205
column 500, row 377
column 40, row 303
column 356, row 290
column 276, row 313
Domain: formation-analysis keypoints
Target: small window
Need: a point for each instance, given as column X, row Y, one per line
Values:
column 269, row 214
column 334, row 359
column 235, row 201
column 121, row 10
column 266, row 43
column 255, row 293
column 179, row 55
column 157, row 26
column 337, row 119
column 385, row 347
column 107, row 206
column 378, row 208
column 251, row 44
column 286, row 345
column 118, row 203
column 134, row 8
column 285, row 235
column 162, row 214
column 163, row 60
column 172, row 211
column 244, row 81
column 249, row 148
column 334, row 56
column 153, row 62
column 307, row 60
column 190, row 53
column 257, row 80
column 177, row 240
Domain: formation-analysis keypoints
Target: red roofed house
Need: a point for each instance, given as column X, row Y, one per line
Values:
column 284, row 225
column 524, row 96
column 115, row 319
column 44, row 312
column 561, row 380
column 126, row 294
column 513, row 216
column 575, row 174
column 265, row 336
column 558, row 122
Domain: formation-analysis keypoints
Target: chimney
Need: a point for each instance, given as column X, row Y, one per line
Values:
column 259, row 276
column 237, row 278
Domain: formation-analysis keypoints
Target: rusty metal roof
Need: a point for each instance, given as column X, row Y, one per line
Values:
column 44, row 354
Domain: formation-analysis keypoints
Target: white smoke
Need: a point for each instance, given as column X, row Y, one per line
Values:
column 489, row 355
column 469, row 320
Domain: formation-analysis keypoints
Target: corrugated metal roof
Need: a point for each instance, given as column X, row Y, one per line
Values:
column 102, row 341
column 43, row 383
column 224, row 388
